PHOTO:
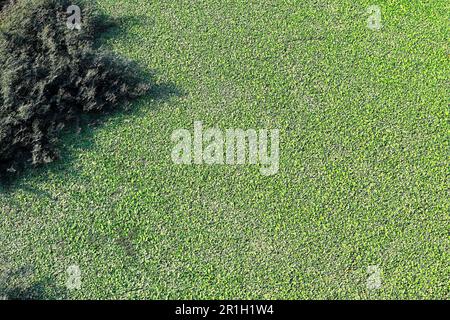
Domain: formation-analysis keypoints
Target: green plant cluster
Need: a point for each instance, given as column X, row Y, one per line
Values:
column 51, row 75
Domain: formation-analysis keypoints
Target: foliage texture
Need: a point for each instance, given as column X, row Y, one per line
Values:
column 51, row 75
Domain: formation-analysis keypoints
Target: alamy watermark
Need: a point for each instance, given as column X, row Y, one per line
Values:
column 74, row 18
column 227, row 147
column 374, row 278
column 74, row 277
column 374, row 19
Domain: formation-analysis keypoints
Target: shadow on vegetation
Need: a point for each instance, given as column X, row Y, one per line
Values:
column 114, row 28
column 79, row 135
column 19, row 285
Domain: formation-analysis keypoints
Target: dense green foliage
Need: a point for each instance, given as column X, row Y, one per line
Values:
column 52, row 74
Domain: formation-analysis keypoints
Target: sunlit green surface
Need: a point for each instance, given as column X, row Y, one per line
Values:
column 363, row 177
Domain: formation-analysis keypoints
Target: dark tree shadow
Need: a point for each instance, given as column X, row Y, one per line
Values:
column 80, row 135
column 18, row 284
